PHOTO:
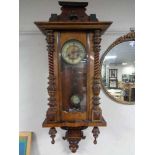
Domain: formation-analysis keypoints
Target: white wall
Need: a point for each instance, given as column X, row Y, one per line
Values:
column 118, row 137
column 121, row 12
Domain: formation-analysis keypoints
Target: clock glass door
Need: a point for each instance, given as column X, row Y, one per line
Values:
column 73, row 76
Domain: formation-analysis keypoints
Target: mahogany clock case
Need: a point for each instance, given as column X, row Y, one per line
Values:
column 73, row 40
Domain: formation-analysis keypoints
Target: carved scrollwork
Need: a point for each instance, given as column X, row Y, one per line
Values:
column 50, row 49
column 73, row 144
column 73, row 136
column 96, row 87
column 52, row 133
column 96, row 111
column 95, row 132
column 51, row 112
column 97, row 40
column 96, row 100
column 75, row 11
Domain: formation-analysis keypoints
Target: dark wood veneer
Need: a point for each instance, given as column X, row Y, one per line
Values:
column 73, row 23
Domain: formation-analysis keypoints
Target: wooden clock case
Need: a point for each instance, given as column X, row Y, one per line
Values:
column 73, row 23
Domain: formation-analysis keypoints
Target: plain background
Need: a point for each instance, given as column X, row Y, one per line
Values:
column 118, row 137
column 9, row 91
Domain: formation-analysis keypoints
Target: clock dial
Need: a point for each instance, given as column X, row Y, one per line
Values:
column 73, row 52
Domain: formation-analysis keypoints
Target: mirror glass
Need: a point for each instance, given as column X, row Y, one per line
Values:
column 118, row 72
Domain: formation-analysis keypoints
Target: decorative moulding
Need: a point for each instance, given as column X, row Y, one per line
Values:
column 39, row 33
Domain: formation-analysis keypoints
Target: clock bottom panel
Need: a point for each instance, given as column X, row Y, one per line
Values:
column 72, row 116
column 75, row 123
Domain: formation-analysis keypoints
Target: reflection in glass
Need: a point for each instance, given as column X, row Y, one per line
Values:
column 118, row 72
column 73, row 76
column 74, row 86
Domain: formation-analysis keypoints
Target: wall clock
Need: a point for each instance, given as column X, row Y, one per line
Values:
column 73, row 39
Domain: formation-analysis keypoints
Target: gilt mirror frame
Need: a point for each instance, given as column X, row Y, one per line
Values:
column 127, row 37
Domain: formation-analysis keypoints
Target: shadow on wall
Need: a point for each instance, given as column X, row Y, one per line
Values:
column 34, row 145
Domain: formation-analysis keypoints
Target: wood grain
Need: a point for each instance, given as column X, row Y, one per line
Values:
column 73, row 23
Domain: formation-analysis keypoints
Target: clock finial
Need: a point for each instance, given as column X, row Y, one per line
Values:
column 73, row 12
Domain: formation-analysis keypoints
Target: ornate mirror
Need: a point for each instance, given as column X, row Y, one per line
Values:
column 118, row 70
